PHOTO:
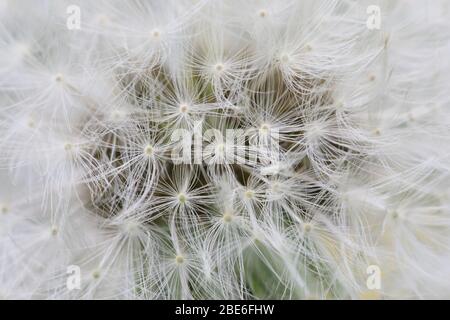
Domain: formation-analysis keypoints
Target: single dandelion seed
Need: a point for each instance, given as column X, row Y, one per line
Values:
column 339, row 105
column 249, row 194
column 58, row 78
column 155, row 34
column 227, row 217
column 219, row 67
column 4, row 209
column 262, row 13
column 275, row 187
column 54, row 230
column 96, row 274
column 394, row 214
column 117, row 115
column 184, row 108
column 31, row 123
column 307, row 227
column 130, row 227
column 68, row 146
column 182, row 198
column 285, row 58
column 148, row 150
column 220, row 149
column 179, row 259
column 264, row 129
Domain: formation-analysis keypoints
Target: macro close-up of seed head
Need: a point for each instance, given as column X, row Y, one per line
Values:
column 203, row 149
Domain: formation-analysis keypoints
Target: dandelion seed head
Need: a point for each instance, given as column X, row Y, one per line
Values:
column 339, row 156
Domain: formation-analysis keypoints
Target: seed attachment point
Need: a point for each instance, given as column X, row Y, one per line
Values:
column 179, row 259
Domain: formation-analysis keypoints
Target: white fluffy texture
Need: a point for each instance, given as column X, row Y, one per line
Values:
column 363, row 176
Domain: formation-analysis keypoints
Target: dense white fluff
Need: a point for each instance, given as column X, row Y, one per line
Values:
column 340, row 159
